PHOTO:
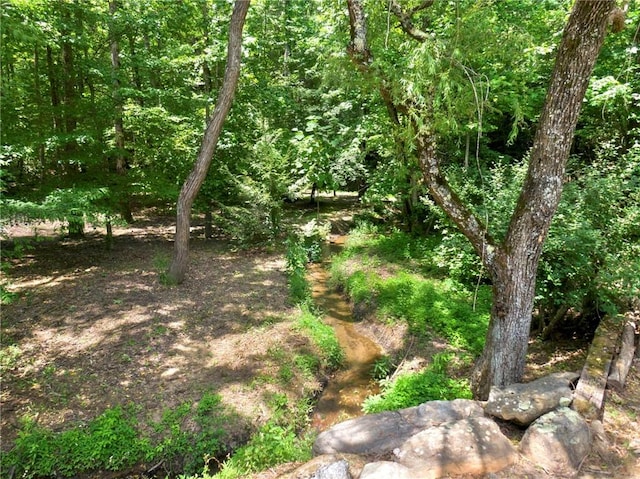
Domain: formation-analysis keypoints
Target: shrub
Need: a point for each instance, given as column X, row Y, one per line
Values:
column 112, row 441
column 109, row 442
column 413, row 389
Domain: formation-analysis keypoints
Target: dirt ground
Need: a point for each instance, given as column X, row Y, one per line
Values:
column 92, row 328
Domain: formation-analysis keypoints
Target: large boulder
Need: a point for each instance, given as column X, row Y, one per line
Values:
column 383, row 432
column 524, row 403
column 558, row 442
column 468, row 446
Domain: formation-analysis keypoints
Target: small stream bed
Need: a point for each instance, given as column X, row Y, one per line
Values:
column 346, row 390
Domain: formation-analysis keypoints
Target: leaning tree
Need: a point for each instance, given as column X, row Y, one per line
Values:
column 191, row 186
column 512, row 261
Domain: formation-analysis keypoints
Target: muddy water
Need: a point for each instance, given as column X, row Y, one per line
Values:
column 342, row 398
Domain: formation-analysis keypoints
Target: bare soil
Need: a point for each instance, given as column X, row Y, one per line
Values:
column 92, row 328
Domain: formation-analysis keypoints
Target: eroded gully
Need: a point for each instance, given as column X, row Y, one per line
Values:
column 346, row 390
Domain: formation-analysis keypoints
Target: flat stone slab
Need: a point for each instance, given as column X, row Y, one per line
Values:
column 383, row 432
column 523, row 403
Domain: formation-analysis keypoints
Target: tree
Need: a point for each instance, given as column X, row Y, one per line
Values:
column 513, row 260
column 179, row 263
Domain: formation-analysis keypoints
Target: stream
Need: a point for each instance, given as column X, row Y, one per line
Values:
column 343, row 396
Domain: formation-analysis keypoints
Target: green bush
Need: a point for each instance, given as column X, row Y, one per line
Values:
column 413, row 389
column 113, row 441
column 109, row 442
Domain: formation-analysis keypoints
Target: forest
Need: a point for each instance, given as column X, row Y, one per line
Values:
column 490, row 145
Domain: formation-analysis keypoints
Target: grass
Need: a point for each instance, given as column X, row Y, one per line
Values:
column 431, row 384
column 114, row 441
column 322, row 335
column 399, row 277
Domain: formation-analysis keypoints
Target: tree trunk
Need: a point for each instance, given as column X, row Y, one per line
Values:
column 504, row 356
column 178, row 268
column 54, row 91
column 118, row 110
column 41, row 118
column 117, row 97
column 512, row 263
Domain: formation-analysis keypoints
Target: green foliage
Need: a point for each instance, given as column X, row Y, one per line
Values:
column 413, row 389
column 591, row 258
column 73, row 205
column 302, row 248
column 109, row 442
column 273, row 444
column 427, row 304
column 9, row 355
column 113, row 441
column 323, row 336
column 382, row 367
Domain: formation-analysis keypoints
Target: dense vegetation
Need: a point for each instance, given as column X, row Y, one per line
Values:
column 90, row 137
column 104, row 105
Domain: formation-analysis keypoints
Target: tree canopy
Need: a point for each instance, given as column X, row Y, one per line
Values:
column 104, row 105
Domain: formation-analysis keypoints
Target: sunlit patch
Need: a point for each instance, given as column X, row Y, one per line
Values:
column 170, row 372
column 273, row 265
column 184, row 349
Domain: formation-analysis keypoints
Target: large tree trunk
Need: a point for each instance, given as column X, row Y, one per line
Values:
column 514, row 268
column 178, row 268
column 513, row 262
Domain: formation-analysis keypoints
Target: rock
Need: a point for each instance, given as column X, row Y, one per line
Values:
column 468, row 446
column 323, row 463
column 335, row 470
column 558, row 442
column 383, row 432
column 388, row 470
column 524, row 403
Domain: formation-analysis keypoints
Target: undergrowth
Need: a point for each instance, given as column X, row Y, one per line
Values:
column 114, row 441
column 401, row 279
column 431, row 384
column 443, row 306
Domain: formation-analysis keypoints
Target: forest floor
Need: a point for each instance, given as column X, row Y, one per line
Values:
column 91, row 328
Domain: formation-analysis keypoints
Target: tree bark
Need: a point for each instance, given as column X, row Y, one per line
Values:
column 513, row 262
column 118, row 111
column 191, row 187
column 514, row 271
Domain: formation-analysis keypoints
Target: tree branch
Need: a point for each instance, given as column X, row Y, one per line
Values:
column 406, row 21
column 439, row 187
column 445, row 196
